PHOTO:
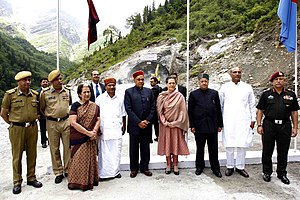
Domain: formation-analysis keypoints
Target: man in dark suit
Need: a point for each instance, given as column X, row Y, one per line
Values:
column 205, row 117
column 140, row 106
column 179, row 88
column 156, row 89
column 97, row 88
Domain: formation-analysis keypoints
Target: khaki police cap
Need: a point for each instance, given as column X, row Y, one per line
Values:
column 54, row 74
column 22, row 74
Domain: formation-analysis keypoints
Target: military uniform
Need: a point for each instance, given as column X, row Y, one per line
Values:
column 277, row 127
column 23, row 130
column 56, row 109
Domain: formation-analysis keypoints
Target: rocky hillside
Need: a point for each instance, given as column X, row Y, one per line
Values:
column 259, row 55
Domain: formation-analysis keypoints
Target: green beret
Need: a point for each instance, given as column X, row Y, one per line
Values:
column 54, row 74
column 22, row 74
column 203, row 76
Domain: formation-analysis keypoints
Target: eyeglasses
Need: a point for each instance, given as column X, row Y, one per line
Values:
column 237, row 72
column 140, row 79
column 95, row 74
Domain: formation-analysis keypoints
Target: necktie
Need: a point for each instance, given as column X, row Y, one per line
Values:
column 97, row 91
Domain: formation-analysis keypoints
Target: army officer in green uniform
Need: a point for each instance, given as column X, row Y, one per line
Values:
column 20, row 111
column 54, row 103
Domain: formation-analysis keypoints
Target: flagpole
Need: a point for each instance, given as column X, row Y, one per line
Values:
column 57, row 42
column 187, row 53
column 296, row 77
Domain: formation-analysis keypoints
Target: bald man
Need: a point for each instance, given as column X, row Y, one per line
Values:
column 238, row 110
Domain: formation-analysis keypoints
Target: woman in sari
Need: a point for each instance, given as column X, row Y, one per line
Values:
column 174, row 123
column 84, row 130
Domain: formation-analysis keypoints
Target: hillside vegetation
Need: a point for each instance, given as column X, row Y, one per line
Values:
column 16, row 55
column 154, row 25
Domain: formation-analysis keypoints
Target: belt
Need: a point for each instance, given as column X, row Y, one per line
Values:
column 58, row 119
column 24, row 124
column 277, row 121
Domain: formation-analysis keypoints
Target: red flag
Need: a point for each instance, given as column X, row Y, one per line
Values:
column 93, row 20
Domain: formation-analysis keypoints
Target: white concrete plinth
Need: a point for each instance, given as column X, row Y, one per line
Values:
column 252, row 157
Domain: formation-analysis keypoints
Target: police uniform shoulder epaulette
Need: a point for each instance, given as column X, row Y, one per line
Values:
column 34, row 92
column 68, row 87
column 11, row 91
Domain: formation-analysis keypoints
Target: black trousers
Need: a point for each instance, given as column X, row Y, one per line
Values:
column 281, row 135
column 156, row 124
column 139, row 142
column 43, row 131
column 212, row 144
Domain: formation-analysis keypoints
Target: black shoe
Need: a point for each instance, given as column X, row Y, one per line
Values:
column 168, row 171
column 118, row 175
column 229, row 171
column 284, row 179
column 267, row 177
column 58, row 179
column 66, row 174
column 242, row 172
column 16, row 189
column 176, row 173
column 198, row 171
column 217, row 174
column 35, row 184
column 44, row 145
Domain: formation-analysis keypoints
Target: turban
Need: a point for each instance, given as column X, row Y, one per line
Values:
column 203, row 76
column 22, row 74
column 276, row 74
column 110, row 80
column 54, row 74
column 137, row 73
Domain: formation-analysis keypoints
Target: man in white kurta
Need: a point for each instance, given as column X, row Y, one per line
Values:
column 238, row 108
column 112, row 126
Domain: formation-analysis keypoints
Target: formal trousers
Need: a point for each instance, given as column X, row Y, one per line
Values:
column 212, row 144
column 43, row 130
column 23, row 139
column 156, row 124
column 281, row 135
column 109, row 157
column 139, row 143
column 240, row 157
column 59, row 131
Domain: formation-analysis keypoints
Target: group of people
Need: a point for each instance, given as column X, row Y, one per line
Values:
column 94, row 125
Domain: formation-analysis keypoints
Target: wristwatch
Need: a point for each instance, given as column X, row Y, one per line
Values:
column 259, row 125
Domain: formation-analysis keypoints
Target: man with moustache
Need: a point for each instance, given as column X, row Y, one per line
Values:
column 205, row 117
column 54, row 103
column 97, row 88
column 20, row 111
column 238, row 109
column 42, row 119
column 278, row 105
column 112, row 126
column 140, row 106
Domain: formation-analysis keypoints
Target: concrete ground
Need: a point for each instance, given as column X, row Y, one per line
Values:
column 160, row 186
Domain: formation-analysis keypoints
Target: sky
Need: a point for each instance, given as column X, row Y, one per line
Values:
column 110, row 12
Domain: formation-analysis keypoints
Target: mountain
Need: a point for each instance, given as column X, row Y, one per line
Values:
column 43, row 34
column 5, row 9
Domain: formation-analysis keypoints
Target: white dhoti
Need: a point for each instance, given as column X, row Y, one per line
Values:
column 109, row 157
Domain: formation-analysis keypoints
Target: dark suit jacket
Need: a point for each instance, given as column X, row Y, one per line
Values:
column 205, row 111
column 139, row 105
column 102, row 86
column 181, row 89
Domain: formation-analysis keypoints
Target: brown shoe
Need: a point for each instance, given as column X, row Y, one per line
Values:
column 147, row 173
column 133, row 174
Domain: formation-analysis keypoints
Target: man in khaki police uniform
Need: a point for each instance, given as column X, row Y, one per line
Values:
column 54, row 103
column 19, row 110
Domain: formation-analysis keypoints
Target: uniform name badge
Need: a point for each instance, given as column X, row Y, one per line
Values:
column 277, row 121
